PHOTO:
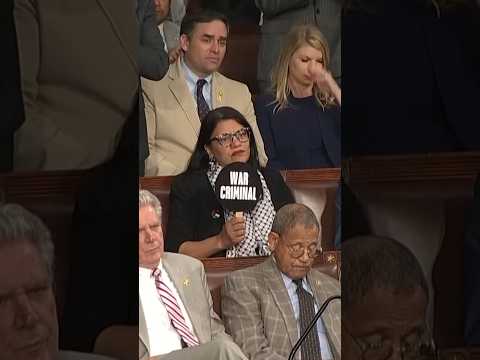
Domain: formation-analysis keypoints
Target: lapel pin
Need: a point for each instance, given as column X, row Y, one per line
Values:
column 220, row 95
column 186, row 282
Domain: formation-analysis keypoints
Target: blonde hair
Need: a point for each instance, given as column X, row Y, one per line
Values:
column 297, row 37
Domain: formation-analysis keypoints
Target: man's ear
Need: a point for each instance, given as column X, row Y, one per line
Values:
column 273, row 239
column 184, row 42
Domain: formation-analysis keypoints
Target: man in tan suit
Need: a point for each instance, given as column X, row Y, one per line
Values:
column 265, row 307
column 79, row 72
column 176, row 317
column 192, row 86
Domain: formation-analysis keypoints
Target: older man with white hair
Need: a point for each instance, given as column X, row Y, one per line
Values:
column 177, row 320
column 28, row 314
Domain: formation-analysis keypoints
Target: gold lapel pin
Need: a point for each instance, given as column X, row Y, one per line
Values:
column 186, row 282
column 220, row 95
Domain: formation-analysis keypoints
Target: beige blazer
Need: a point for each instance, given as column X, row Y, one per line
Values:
column 172, row 119
column 78, row 63
column 190, row 280
column 258, row 313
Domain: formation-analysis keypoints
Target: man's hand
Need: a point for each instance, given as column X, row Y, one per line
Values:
column 174, row 54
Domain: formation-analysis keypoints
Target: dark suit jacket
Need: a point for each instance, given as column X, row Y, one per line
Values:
column 404, row 94
column 153, row 63
column 296, row 140
column 153, row 60
column 196, row 214
column 11, row 97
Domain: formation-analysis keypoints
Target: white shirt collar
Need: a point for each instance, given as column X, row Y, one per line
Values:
column 190, row 76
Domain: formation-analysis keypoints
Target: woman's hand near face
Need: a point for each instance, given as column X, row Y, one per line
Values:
column 324, row 80
column 233, row 232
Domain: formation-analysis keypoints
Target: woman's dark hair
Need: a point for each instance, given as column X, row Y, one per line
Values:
column 199, row 159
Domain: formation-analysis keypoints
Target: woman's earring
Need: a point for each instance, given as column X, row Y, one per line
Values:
column 211, row 161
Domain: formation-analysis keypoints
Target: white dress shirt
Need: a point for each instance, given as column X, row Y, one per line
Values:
column 322, row 334
column 191, row 79
column 162, row 32
column 162, row 336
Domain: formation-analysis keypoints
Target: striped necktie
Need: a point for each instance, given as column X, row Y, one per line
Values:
column 173, row 310
column 202, row 106
column 311, row 345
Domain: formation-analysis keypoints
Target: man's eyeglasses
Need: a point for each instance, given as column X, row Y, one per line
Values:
column 242, row 135
column 296, row 251
column 416, row 346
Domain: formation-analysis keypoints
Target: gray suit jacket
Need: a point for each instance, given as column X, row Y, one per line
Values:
column 153, row 59
column 190, row 281
column 258, row 313
column 279, row 16
column 171, row 26
column 172, row 118
column 79, row 72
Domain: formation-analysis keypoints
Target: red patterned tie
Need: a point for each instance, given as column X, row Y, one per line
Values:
column 173, row 310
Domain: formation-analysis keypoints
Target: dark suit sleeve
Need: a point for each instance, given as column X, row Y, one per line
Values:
column 279, row 190
column 271, row 8
column 153, row 58
column 181, row 216
column 264, row 114
column 11, row 96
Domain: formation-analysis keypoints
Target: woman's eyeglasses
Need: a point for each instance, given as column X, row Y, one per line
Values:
column 242, row 135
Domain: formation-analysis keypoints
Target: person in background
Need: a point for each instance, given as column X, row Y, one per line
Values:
column 169, row 16
column 238, row 12
column 176, row 105
column 279, row 16
column 423, row 118
column 28, row 312
column 384, row 302
column 198, row 226
column 266, row 307
column 177, row 320
column 153, row 62
column 79, row 86
column 300, row 118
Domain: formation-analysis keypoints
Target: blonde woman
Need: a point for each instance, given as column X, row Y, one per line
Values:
column 300, row 119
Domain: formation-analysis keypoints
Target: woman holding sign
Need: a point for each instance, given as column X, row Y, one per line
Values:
column 300, row 119
column 198, row 225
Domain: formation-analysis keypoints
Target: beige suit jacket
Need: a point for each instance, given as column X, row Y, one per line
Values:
column 190, row 280
column 258, row 313
column 173, row 124
column 78, row 63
